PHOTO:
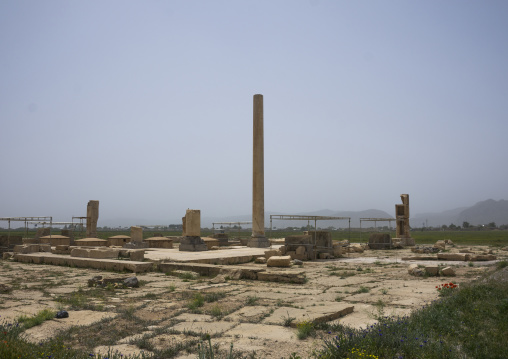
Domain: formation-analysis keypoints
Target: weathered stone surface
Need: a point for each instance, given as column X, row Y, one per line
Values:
column 325, row 256
column 92, row 214
column 413, row 269
column 192, row 223
column 483, row 257
column 80, row 252
column 432, row 270
column 448, row 272
column 279, row 261
column 103, row 253
column 356, row 248
column 271, row 253
column 136, row 254
column 260, row 260
column 338, row 250
column 380, row 241
column 159, row 242
column 91, row 242
column 136, row 234
column 131, row 282
column 192, row 244
column 210, row 242
column 282, row 276
column 454, row 256
column 44, row 248
column 441, row 245
column 119, row 240
column 56, row 239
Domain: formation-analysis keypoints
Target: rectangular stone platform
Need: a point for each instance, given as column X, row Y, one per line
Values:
column 104, row 264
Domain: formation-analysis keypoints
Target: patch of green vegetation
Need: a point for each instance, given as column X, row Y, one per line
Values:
column 38, row 319
column 252, row 300
column 197, row 301
column 287, row 320
column 446, row 328
column 214, row 296
column 362, row 289
column 305, row 329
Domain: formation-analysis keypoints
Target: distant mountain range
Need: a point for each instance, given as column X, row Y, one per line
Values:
column 481, row 213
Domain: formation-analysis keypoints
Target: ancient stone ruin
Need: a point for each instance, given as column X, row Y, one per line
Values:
column 92, row 216
column 191, row 235
column 403, row 233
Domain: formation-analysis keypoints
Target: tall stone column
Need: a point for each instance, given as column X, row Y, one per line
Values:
column 258, row 239
column 92, row 216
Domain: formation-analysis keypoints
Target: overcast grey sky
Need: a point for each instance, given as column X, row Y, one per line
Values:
column 146, row 106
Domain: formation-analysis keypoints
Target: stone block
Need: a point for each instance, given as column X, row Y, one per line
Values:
column 279, row 261
column 380, row 241
column 357, row 248
column 413, row 269
column 441, row 245
column 454, row 256
column 31, row 241
column 44, row 248
column 483, row 257
column 297, row 240
column 33, row 248
column 91, row 242
column 448, row 272
column 55, row 240
column 300, row 250
column 193, row 223
column 159, row 242
column 7, row 255
column 337, row 250
column 119, row 240
column 192, row 244
column 80, row 252
column 432, row 270
column 211, row 242
column 22, row 249
column 106, row 253
column 136, row 234
column 271, row 253
column 325, row 256
column 282, row 276
column 260, row 260
column 137, row 255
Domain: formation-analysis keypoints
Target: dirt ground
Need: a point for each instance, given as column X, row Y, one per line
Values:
column 164, row 313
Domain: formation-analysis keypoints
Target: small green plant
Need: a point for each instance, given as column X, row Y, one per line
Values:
column 384, row 291
column 362, row 290
column 471, row 264
column 286, row 321
column 252, row 300
column 216, row 311
column 305, row 329
column 197, row 301
column 338, row 298
column 172, row 287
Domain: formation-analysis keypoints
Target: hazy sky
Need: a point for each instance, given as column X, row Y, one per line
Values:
column 146, row 106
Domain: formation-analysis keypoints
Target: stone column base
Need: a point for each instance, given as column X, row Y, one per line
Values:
column 258, row 242
column 192, row 244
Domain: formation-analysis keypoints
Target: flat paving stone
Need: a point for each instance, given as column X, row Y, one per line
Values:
column 262, row 331
column 50, row 328
column 317, row 314
column 204, row 327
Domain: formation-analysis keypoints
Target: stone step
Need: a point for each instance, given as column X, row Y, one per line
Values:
column 65, row 260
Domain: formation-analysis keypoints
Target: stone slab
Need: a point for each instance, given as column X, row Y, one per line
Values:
column 262, row 331
column 204, row 327
column 318, row 314
column 104, row 264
